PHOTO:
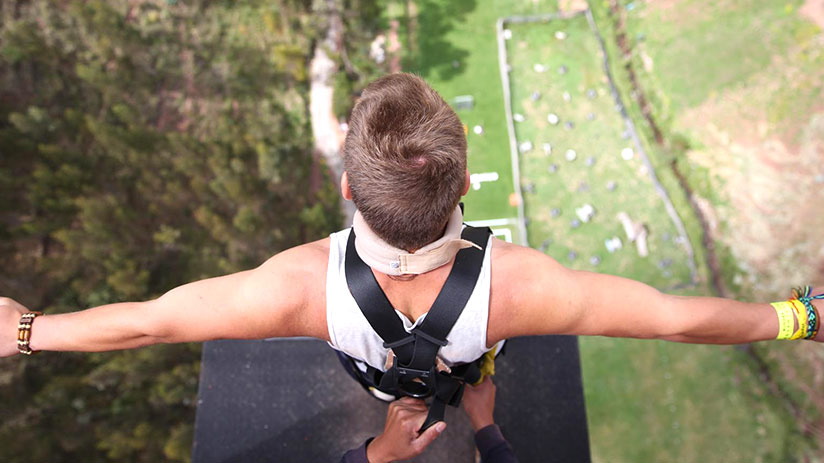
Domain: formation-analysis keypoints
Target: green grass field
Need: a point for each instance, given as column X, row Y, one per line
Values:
column 452, row 45
column 646, row 400
column 700, row 49
column 581, row 97
column 742, row 84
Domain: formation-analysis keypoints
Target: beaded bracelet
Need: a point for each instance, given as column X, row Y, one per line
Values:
column 24, row 332
column 813, row 320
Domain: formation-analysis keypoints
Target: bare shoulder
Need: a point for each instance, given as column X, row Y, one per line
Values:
column 302, row 266
column 299, row 273
column 527, row 287
column 514, row 265
column 504, row 253
column 304, row 257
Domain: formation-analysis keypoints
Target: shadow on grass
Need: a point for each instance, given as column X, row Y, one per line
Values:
column 431, row 52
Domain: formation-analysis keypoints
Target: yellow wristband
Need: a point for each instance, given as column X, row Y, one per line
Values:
column 801, row 316
column 786, row 321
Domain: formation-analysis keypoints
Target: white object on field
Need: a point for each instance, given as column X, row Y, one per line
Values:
column 525, row 146
column 636, row 232
column 627, row 153
column 613, row 244
column 477, row 179
column 585, row 212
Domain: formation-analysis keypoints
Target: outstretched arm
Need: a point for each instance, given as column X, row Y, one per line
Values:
column 548, row 298
column 278, row 299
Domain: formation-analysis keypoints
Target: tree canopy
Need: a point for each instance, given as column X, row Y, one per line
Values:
column 144, row 144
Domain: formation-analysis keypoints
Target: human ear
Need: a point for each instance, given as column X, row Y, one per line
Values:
column 466, row 183
column 344, row 187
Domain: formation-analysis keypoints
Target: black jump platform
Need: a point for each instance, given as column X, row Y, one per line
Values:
column 291, row 401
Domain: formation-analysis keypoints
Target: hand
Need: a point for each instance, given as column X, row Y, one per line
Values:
column 10, row 312
column 400, row 439
column 479, row 403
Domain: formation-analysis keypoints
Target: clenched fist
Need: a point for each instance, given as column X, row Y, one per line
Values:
column 10, row 312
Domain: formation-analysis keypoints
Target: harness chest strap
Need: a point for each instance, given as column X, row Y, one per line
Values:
column 414, row 372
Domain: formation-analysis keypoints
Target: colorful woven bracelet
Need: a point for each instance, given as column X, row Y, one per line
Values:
column 24, row 332
column 813, row 320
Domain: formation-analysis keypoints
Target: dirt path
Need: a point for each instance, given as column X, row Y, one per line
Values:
column 326, row 129
column 393, row 47
column 814, row 11
column 325, row 126
column 572, row 6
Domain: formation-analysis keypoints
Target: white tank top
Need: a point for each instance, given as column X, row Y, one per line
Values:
column 350, row 332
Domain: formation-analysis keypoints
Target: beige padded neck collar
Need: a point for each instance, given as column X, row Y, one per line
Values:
column 390, row 260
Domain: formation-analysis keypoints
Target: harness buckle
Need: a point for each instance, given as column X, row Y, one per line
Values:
column 403, row 371
column 412, row 382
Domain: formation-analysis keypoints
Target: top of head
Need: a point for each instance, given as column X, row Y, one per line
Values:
column 405, row 159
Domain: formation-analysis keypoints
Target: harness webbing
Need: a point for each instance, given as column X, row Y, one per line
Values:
column 414, row 372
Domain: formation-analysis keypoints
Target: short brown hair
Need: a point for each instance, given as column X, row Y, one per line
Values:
column 405, row 158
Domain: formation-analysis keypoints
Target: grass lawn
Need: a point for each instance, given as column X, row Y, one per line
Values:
column 580, row 96
column 698, row 49
column 646, row 400
column 453, row 47
column 654, row 401
column 743, row 84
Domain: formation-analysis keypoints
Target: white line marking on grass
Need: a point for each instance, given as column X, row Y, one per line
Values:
column 504, row 68
column 510, row 126
column 493, row 222
column 503, row 232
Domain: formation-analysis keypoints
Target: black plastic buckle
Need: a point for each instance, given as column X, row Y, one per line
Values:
column 403, row 371
column 413, row 382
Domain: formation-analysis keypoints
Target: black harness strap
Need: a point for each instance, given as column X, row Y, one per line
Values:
column 453, row 296
column 414, row 372
column 373, row 303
